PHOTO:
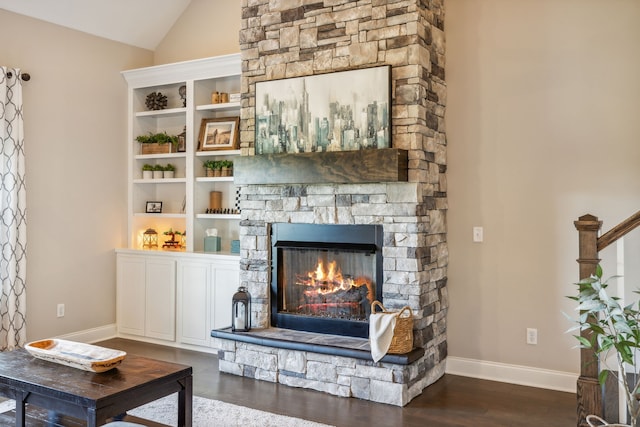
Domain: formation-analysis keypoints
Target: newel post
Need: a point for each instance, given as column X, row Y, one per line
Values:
column 588, row 388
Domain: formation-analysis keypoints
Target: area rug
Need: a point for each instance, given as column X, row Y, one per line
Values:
column 206, row 413
column 210, row 413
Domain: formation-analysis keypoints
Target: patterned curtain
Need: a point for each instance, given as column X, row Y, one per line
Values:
column 13, row 216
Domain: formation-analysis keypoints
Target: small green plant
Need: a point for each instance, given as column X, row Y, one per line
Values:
column 158, row 168
column 211, row 164
column 160, row 138
column 169, row 167
column 170, row 232
column 147, row 167
column 227, row 163
column 611, row 328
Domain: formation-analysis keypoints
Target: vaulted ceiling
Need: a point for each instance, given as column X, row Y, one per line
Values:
column 141, row 23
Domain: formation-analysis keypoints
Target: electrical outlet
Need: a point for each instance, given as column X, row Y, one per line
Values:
column 60, row 310
column 532, row 336
column 478, row 234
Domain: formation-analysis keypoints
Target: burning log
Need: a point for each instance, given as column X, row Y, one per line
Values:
column 337, row 309
column 330, row 294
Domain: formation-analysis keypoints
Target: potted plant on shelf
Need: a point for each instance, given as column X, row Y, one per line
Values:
column 217, row 168
column 615, row 329
column 172, row 243
column 227, row 167
column 158, row 172
column 210, row 166
column 157, row 143
column 169, row 170
column 147, row 171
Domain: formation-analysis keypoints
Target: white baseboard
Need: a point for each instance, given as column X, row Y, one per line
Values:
column 92, row 335
column 513, row 374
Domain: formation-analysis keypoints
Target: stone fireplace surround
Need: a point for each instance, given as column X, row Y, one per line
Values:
column 282, row 39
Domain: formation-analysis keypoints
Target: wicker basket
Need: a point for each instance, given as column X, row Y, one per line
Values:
column 402, row 341
column 594, row 421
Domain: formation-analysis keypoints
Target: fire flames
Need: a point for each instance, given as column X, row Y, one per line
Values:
column 330, row 293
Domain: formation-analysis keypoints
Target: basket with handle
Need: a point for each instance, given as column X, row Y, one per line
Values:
column 402, row 341
column 596, row 421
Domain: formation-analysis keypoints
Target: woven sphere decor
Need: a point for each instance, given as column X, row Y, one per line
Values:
column 156, row 101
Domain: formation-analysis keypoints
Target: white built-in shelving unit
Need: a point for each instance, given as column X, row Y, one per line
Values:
column 185, row 198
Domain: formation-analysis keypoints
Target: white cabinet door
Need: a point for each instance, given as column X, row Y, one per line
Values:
column 205, row 289
column 226, row 279
column 175, row 298
column 130, row 294
column 160, row 319
column 193, row 302
column 146, row 296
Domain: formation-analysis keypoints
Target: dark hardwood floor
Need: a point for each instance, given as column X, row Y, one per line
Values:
column 452, row 401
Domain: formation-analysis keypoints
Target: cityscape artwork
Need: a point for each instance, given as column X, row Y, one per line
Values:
column 343, row 111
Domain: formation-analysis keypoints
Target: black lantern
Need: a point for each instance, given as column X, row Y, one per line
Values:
column 241, row 310
column 182, row 141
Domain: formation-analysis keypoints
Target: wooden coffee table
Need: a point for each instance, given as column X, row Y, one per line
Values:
column 91, row 396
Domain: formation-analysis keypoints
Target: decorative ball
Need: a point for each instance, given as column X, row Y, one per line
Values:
column 156, row 101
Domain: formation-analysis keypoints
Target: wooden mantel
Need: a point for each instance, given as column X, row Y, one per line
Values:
column 352, row 167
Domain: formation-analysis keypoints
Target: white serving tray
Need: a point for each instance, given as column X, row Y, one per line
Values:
column 77, row 355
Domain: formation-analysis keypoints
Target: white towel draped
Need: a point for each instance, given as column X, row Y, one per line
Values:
column 381, row 327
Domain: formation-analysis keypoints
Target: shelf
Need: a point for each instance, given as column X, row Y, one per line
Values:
column 214, row 179
column 160, row 181
column 218, row 153
column 218, row 216
column 216, row 107
column 169, row 112
column 160, row 215
column 189, row 193
column 180, row 155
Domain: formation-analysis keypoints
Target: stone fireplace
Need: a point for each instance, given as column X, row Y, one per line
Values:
column 403, row 201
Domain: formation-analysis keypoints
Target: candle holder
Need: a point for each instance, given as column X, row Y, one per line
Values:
column 150, row 239
column 241, row 311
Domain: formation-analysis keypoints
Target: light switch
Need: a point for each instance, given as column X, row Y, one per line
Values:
column 478, row 234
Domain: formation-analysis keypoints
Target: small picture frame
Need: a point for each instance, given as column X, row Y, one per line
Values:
column 154, row 207
column 219, row 133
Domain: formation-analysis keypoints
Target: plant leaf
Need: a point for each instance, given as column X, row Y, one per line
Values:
column 585, row 343
column 602, row 377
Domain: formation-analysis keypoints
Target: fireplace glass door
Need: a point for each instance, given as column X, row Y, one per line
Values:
column 326, row 278
column 336, row 284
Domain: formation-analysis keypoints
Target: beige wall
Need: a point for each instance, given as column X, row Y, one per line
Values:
column 543, row 99
column 541, row 125
column 75, row 125
column 206, row 28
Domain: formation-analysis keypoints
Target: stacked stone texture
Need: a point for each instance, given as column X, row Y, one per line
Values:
column 293, row 38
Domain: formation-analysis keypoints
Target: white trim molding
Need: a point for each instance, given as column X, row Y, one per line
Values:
column 92, row 335
column 513, row 374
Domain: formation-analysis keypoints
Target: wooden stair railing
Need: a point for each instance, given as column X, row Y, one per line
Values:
column 589, row 391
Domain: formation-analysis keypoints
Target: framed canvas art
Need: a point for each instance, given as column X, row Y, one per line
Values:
column 342, row 111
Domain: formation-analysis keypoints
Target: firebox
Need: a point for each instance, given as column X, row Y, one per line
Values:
column 325, row 277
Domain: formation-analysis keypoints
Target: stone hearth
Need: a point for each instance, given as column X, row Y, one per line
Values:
column 292, row 38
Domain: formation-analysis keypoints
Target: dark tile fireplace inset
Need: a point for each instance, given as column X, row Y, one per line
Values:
column 325, row 277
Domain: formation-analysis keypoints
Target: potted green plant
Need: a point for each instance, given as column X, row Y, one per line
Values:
column 210, row 166
column 169, row 170
column 217, row 168
column 147, row 171
column 158, row 172
column 227, row 167
column 157, row 143
column 611, row 328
